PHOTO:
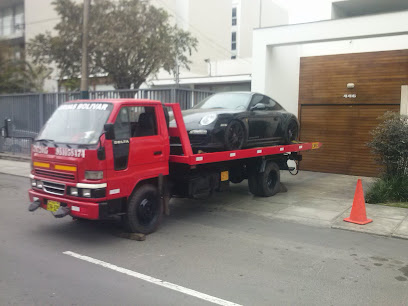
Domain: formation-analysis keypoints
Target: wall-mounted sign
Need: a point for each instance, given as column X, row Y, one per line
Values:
column 352, row 96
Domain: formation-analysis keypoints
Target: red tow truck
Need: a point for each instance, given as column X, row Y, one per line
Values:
column 99, row 159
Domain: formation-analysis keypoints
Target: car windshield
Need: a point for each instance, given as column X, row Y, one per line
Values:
column 225, row 100
column 76, row 123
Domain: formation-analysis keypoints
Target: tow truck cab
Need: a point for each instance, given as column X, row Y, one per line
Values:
column 90, row 156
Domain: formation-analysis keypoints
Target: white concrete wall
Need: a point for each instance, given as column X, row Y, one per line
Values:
column 40, row 17
column 210, row 22
column 277, row 51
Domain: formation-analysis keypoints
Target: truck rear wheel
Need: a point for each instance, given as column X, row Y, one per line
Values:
column 267, row 183
column 144, row 211
column 269, row 180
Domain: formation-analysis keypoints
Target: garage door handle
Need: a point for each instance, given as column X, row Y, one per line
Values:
column 157, row 153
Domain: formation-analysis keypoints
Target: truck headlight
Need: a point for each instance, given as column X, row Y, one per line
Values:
column 86, row 193
column 39, row 184
column 93, row 175
column 33, row 183
column 74, row 191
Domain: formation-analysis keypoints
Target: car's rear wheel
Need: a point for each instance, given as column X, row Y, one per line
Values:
column 234, row 136
column 291, row 132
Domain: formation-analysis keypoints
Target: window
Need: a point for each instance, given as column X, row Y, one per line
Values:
column 234, row 16
column 19, row 19
column 234, row 41
column 135, row 122
column 7, row 21
column 269, row 103
column 233, row 57
column 12, row 20
column 274, row 105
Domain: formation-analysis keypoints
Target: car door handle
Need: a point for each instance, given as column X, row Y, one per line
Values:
column 157, row 153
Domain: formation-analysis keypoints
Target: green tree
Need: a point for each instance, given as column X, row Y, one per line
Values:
column 19, row 76
column 129, row 40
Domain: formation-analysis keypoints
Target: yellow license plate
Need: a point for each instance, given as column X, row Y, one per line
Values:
column 224, row 176
column 53, row 205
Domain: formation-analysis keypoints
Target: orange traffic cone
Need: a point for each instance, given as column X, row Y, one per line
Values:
column 358, row 212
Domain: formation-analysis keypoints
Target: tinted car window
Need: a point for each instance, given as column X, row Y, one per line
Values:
column 273, row 105
column 269, row 103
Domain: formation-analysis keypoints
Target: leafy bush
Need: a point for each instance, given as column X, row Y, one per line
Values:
column 390, row 145
column 388, row 189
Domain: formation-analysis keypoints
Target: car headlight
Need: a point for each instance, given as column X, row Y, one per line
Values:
column 93, row 175
column 208, row 119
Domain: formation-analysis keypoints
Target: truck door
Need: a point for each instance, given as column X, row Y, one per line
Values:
column 139, row 148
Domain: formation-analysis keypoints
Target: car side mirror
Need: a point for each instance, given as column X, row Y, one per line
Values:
column 109, row 131
column 258, row 106
column 5, row 131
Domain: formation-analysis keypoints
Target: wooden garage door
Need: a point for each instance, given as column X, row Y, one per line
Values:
column 344, row 131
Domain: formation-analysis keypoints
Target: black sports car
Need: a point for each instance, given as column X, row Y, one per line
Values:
column 235, row 120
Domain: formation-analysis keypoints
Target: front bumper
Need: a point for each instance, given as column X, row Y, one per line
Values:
column 80, row 209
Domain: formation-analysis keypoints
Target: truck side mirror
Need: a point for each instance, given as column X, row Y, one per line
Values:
column 109, row 131
column 5, row 131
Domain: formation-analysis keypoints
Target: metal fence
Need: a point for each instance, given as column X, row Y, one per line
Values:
column 29, row 112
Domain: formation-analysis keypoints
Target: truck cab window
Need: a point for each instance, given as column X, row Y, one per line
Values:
column 135, row 121
column 142, row 121
column 122, row 124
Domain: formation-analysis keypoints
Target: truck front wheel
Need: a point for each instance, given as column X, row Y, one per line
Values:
column 144, row 211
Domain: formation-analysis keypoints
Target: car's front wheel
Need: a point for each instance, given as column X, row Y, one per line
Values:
column 234, row 136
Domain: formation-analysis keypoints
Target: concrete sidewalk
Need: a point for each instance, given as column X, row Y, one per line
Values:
column 14, row 167
column 313, row 198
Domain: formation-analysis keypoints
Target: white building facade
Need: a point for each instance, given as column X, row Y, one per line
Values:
column 224, row 29
column 283, row 55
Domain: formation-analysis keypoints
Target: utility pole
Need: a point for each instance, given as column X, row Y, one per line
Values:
column 84, row 67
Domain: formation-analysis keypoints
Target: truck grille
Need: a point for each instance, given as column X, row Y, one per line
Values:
column 55, row 175
column 54, row 188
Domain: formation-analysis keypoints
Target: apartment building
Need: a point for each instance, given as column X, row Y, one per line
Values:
column 12, row 27
column 223, row 60
column 224, row 29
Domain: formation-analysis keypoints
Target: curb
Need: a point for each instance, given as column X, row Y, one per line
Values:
column 20, row 158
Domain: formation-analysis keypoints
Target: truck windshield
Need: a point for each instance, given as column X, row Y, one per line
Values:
column 76, row 123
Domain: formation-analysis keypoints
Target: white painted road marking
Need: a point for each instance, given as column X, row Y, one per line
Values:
column 153, row 280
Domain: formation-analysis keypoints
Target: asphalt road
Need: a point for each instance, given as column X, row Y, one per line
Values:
column 235, row 256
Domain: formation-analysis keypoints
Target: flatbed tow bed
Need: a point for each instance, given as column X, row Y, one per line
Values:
column 204, row 158
column 131, row 171
column 205, row 172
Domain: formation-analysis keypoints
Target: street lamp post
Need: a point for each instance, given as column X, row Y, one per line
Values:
column 84, row 67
